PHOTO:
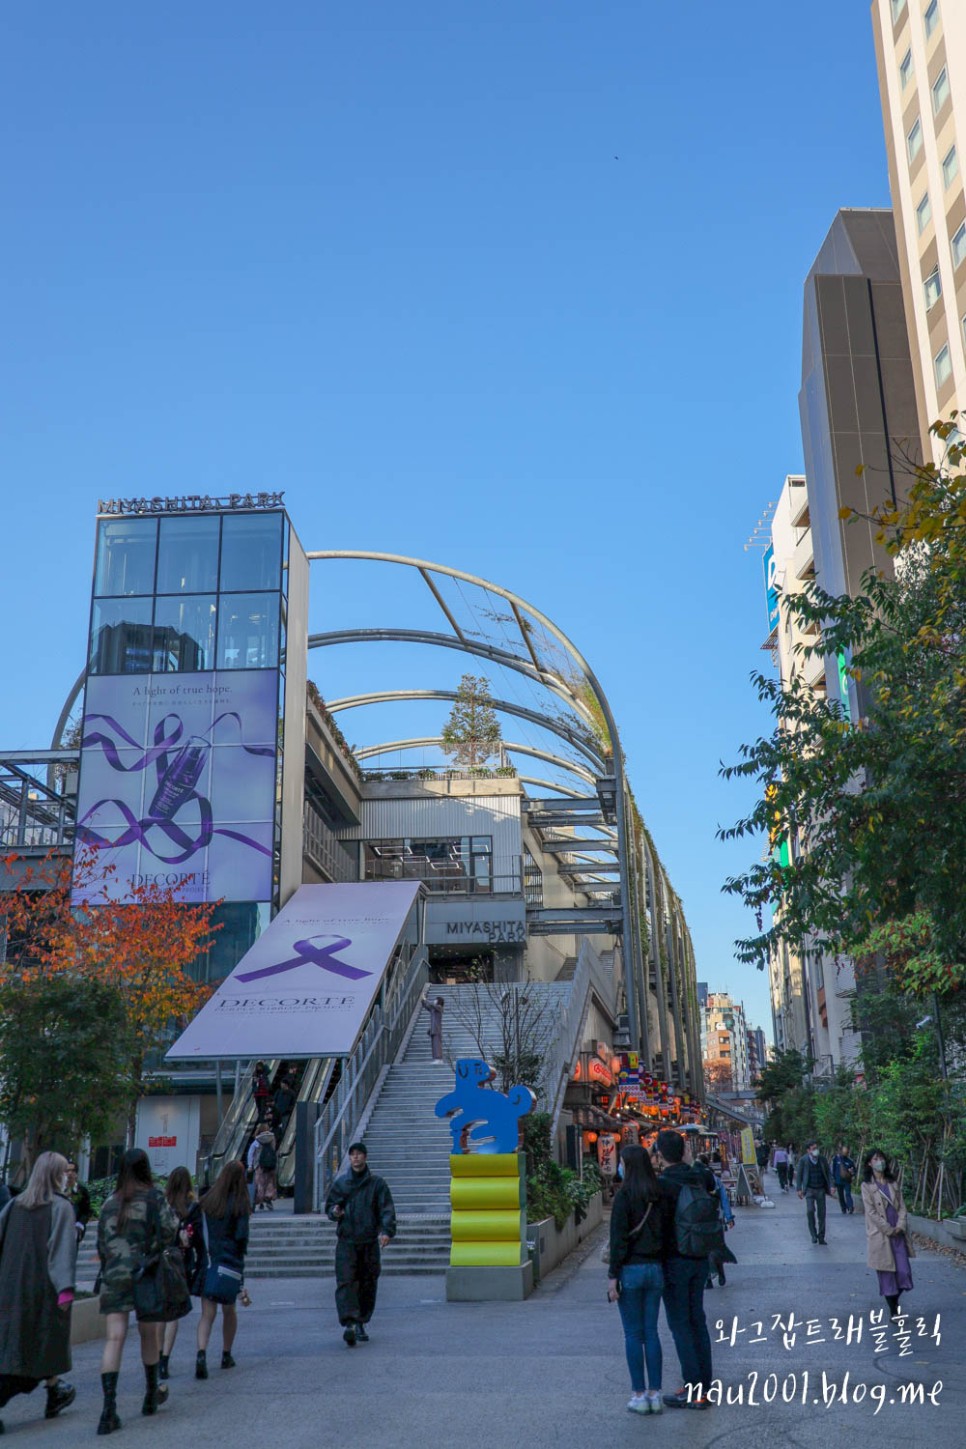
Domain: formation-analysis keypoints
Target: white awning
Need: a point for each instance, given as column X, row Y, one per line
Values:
column 305, row 987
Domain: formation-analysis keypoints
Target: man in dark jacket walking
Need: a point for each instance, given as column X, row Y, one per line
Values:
column 685, row 1277
column 814, row 1183
column 361, row 1204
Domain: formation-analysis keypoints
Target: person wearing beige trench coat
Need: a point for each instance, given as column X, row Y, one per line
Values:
column 886, row 1226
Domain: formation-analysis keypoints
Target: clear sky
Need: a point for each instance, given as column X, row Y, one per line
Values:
column 510, row 284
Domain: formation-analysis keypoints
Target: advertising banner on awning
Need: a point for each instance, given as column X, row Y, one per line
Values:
column 306, row 985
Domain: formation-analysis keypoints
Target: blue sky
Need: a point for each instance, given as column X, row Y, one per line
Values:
column 513, row 285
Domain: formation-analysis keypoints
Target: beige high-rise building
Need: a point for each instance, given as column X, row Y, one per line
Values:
column 921, row 57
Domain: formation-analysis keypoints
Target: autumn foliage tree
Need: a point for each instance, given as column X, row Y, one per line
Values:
column 140, row 948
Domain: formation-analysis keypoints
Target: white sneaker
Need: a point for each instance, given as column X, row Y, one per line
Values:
column 654, row 1404
column 637, row 1403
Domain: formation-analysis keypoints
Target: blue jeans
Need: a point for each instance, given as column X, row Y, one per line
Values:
column 684, row 1280
column 640, row 1302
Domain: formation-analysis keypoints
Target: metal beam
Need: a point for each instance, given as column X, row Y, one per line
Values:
column 505, row 706
column 368, row 752
column 442, row 604
column 631, row 950
column 446, row 641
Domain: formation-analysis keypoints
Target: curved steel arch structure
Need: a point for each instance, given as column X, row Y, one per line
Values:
column 631, row 938
column 369, row 752
column 449, row 641
column 505, row 706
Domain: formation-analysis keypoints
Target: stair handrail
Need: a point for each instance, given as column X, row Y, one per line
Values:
column 375, row 1049
column 588, row 975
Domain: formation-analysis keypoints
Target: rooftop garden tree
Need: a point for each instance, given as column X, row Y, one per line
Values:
column 472, row 733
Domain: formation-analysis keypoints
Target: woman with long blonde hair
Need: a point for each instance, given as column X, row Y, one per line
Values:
column 38, row 1258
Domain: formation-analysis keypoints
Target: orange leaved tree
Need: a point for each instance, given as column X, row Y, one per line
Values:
column 142, row 948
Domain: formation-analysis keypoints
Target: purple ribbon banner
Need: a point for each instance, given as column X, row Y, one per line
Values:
column 167, row 738
column 310, row 955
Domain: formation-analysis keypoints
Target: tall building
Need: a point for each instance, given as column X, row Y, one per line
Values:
column 857, row 399
column 921, row 57
column 724, row 1037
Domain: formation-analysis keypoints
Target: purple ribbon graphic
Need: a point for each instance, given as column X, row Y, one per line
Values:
column 310, row 955
column 168, row 734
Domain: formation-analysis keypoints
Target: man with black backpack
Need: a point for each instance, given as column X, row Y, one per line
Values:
column 697, row 1232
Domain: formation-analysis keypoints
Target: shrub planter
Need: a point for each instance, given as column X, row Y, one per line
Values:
column 87, row 1322
column 549, row 1245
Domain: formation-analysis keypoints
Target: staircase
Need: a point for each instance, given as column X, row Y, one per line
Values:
column 406, row 1142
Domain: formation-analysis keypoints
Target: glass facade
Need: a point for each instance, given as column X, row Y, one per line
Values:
column 179, row 776
column 167, row 591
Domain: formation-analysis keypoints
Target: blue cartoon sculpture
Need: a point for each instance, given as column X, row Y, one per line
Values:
column 482, row 1120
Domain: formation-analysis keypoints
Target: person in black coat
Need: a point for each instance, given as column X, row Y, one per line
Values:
column 362, row 1205
column 813, row 1181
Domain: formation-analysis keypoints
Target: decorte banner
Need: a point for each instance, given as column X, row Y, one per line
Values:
column 177, row 784
column 305, row 986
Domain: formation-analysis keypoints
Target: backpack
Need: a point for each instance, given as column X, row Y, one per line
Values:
column 697, row 1221
column 267, row 1157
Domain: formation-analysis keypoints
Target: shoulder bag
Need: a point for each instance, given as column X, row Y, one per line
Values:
column 605, row 1250
column 160, row 1286
column 222, row 1284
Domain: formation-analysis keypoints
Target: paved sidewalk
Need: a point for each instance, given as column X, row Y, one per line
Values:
column 550, row 1372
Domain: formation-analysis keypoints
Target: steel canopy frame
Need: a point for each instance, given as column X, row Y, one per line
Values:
column 504, row 706
column 630, row 943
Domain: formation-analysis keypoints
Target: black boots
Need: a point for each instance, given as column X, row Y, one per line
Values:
column 109, row 1420
column 201, row 1365
column 163, row 1362
column 58, row 1397
column 226, row 1360
column 156, row 1393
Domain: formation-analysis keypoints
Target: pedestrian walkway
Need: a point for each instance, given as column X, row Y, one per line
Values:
column 551, row 1372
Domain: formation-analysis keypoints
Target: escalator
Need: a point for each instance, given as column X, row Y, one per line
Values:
column 315, row 1079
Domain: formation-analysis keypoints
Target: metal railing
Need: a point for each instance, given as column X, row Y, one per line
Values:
column 322, row 847
column 375, row 1049
column 588, row 973
column 503, row 876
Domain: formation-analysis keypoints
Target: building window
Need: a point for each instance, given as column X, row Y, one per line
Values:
column 248, row 631
column 251, row 551
column 940, row 92
column 457, row 863
column 914, row 141
column 959, row 246
column 933, row 288
column 905, row 69
column 184, row 632
column 923, row 214
column 943, row 366
column 126, row 549
column 188, row 555
column 950, row 167
column 897, row 8
column 932, row 18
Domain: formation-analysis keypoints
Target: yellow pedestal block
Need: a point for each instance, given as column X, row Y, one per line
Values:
column 486, row 1227
column 489, row 1221
column 485, row 1255
column 471, row 1194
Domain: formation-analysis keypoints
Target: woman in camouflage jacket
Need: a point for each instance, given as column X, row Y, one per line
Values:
column 125, row 1235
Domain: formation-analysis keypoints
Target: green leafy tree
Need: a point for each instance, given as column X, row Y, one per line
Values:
column 472, row 732
column 64, row 1063
column 873, row 807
